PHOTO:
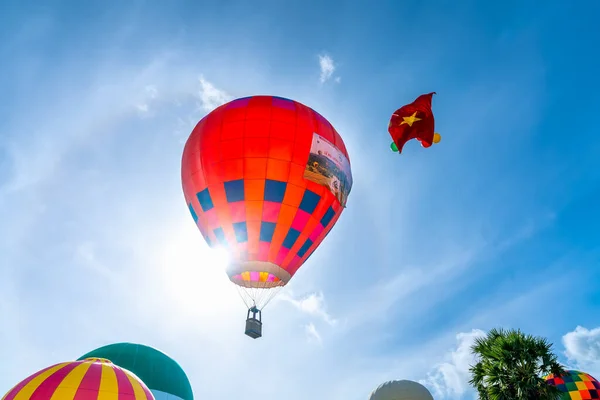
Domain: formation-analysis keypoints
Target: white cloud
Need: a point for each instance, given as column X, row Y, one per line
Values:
column 143, row 108
column 101, row 107
column 327, row 68
column 86, row 256
column 210, row 96
column 383, row 298
column 151, row 91
column 149, row 94
column 582, row 347
column 450, row 378
column 312, row 304
column 313, row 333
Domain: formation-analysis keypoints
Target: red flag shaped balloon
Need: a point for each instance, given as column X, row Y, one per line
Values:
column 414, row 121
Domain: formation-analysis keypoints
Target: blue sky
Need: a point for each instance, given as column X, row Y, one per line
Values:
column 495, row 226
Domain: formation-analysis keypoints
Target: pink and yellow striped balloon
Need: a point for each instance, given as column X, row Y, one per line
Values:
column 89, row 379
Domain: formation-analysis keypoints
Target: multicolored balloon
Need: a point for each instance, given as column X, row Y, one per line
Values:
column 266, row 178
column 163, row 375
column 89, row 379
column 401, row 390
column 575, row 385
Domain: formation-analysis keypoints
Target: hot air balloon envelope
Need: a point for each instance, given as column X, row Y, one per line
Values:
column 401, row 390
column 89, row 379
column 163, row 375
column 575, row 385
column 266, row 178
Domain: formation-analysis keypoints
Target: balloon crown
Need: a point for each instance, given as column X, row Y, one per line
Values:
column 98, row 359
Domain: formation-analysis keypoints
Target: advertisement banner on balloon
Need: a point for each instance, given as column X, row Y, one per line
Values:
column 329, row 167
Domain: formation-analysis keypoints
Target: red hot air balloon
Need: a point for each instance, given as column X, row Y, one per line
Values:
column 266, row 178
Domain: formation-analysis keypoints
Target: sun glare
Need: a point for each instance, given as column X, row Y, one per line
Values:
column 217, row 257
column 195, row 276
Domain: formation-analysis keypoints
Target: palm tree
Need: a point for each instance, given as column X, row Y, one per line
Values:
column 512, row 365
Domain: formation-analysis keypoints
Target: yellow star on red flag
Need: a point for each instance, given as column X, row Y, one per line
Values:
column 410, row 120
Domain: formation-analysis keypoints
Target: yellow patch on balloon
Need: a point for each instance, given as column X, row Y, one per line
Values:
column 437, row 137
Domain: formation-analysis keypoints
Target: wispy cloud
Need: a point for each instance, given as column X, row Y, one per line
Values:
column 328, row 67
column 312, row 333
column 449, row 379
column 101, row 107
column 312, row 304
column 149, row 94
column 210, row 96
column 382, row 297
column 85, row 256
